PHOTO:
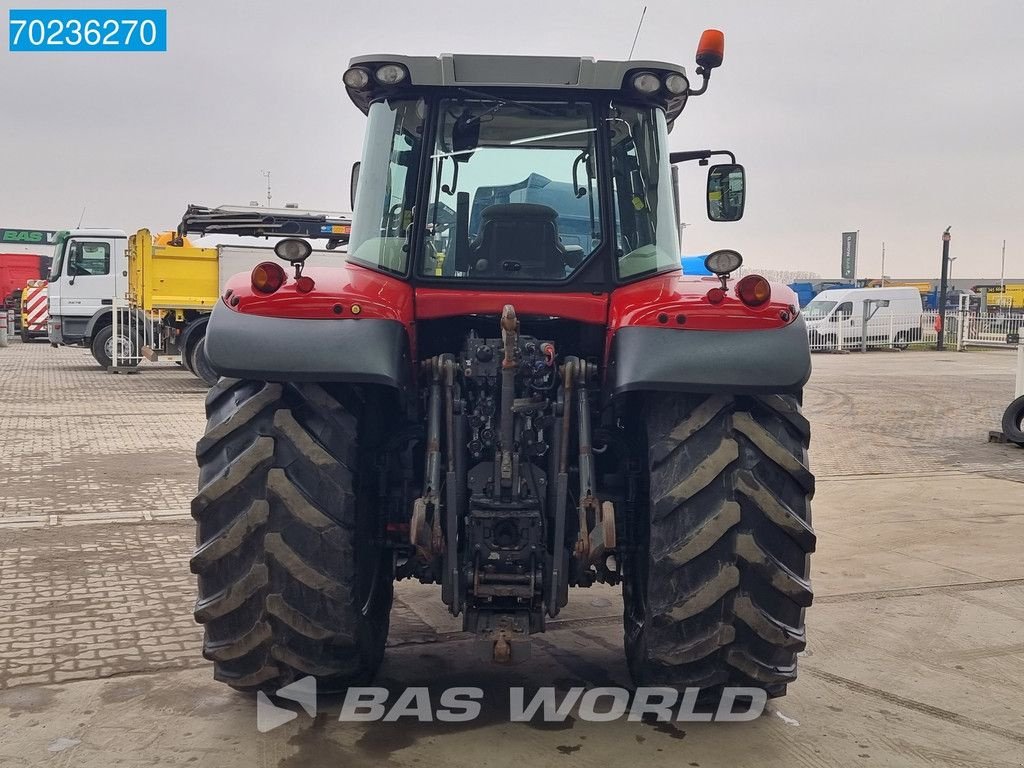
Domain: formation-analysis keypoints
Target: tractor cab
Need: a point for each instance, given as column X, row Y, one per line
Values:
column 522, row 171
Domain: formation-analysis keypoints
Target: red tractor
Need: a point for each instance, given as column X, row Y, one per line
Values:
column 508, row 389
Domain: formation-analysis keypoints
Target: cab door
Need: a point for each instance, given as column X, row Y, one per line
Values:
column 84, row 285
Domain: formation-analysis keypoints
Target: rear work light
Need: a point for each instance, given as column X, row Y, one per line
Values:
column 267, row 277
column 754, row 290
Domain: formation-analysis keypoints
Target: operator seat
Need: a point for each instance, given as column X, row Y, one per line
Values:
column 518, row 240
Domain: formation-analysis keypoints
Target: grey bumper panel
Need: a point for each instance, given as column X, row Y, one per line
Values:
column 289, row 349
column 671, row 359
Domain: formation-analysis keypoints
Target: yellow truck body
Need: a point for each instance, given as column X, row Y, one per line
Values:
column 1011, row 298
column 924, row 287
column 162, row 276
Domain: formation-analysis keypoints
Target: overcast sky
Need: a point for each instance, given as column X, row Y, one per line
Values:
column 894, row 118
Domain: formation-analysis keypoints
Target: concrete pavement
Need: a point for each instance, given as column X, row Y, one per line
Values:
column 916, row 636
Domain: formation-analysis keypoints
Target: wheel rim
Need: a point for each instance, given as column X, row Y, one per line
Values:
column 125, row 347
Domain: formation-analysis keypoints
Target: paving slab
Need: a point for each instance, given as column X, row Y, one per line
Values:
column 915, row 647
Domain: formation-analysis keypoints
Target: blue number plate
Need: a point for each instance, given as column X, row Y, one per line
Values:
column 82, row 30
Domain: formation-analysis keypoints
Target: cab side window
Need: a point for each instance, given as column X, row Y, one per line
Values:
column 89, row 258
column 845, row 310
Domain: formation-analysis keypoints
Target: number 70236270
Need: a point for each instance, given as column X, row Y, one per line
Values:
column 87, row 30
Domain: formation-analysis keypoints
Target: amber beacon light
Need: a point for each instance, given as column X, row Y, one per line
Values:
column 711, row 49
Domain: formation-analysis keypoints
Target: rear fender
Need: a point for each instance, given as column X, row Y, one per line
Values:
column 355, row 326
column 664, row 334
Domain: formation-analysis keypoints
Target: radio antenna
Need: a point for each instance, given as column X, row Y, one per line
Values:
column 81, row 218
column 633, row 46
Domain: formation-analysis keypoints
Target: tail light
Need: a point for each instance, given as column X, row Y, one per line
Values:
column 754, row 290
column 267, row 277
column 305, row 284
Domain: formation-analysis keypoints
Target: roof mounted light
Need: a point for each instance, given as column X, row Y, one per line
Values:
column 646, row 83
column 676, row 83
column 356, row 78
column 391, row 74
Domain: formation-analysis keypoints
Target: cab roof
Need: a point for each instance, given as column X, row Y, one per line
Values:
column 96, row 233
column 475, row 71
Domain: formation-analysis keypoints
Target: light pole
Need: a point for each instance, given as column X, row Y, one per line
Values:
column 883, row 264
column 940, row 343
column 1002, row 272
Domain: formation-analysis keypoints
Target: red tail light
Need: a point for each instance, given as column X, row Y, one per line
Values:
column 754, row 290
column 267, row 277
column 716, row 296
column 305, row 284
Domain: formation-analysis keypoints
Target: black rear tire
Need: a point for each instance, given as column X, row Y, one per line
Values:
column 1013, row 421
column 200, row 366
column 716, row 591
column 293, row 580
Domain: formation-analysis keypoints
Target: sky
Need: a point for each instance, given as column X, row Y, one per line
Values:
column 893, row 118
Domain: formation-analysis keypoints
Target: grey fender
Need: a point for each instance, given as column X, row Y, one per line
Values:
column 741, row 362
column 363, row 351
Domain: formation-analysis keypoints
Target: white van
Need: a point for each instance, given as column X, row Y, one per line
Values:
column 836, row 317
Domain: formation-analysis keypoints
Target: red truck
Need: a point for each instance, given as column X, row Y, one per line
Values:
column 24, row 255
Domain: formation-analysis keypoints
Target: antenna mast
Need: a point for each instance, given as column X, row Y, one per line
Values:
column 266, row 174
column 633, row 46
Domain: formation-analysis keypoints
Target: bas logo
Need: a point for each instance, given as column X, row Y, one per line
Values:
column 36, row 236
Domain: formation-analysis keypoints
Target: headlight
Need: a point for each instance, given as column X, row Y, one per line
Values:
column 646, row 83
column 356, row 77
column 676, row 84
column 723, row 262
column 390, row 74
column 293, row 249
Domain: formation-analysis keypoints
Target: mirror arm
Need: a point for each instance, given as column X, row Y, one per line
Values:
column 699, row 154
column 705, row 74
column 449, row 189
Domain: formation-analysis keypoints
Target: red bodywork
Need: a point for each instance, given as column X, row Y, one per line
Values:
column 667, row 300
column 16, row 269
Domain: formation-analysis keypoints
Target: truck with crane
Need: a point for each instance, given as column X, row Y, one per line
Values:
column 504, row 404
column 162, row 286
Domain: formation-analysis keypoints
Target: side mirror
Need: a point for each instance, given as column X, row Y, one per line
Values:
column 353, row 183
column 726, row 192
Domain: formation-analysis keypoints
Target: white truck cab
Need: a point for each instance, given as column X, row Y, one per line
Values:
column 838, row 317
column 89, row 268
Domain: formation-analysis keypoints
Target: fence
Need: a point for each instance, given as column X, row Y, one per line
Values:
column 137, row 334
column 962, row 329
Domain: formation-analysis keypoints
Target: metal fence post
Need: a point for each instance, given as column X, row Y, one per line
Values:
column 3, row 328
column 961, row 320
column 864, row 325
